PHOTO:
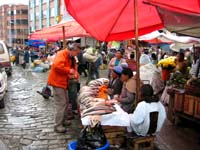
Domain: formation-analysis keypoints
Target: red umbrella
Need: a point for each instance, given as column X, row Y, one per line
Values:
column 123, row 19
column 55, row 33
column 114, row 19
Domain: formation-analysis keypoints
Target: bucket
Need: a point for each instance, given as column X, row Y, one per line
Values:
column 72, row 146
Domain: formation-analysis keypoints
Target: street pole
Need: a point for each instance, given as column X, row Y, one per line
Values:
column 64, row 40
column 137, row 51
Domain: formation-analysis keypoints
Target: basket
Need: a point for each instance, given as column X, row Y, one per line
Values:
column 72, row 146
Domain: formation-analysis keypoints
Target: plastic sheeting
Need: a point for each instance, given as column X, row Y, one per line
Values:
column 117, row 118
column 169, row 38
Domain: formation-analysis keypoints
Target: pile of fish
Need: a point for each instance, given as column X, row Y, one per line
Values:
column 90, row 105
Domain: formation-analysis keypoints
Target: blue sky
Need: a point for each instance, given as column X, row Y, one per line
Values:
column 13, row 2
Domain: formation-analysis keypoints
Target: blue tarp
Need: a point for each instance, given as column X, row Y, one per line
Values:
column 35, row 43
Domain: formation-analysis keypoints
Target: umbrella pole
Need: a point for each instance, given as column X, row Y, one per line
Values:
column 64, row 39
column 137, row 51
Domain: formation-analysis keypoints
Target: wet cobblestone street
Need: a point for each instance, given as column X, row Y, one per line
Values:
column 27, row 120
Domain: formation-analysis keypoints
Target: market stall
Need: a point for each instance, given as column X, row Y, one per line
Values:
column 184, row 101
column 96, row 106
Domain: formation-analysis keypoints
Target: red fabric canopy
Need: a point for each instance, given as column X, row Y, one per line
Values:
column 55, row 33
column 182, row 17
column 113, row 19
column 182, row 6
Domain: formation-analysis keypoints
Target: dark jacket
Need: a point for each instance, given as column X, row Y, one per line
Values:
column 26, row 56
column 116, row 86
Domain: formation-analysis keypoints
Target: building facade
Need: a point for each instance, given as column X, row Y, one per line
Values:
column 14, row 24
column 45, row 13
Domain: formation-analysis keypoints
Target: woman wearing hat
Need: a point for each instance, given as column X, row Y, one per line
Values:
column 115, row 84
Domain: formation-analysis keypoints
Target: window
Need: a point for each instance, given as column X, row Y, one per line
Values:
column 11, row 12
column 10, row 22
column 18, row 12
column 44, row 1
column 12, row 32
column 44, row 14
column 32, row 3
column 37, row 2
column 21, row 22
column 32, row 29
column 24, row 11
column 52, row 13
column 31, row 16
column 1, row 49
column 37, row 14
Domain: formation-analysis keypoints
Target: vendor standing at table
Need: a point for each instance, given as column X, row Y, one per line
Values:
column 115, row 84
column 127, row 96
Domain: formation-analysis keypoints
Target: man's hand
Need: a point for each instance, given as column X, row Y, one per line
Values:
column 71, row 71
column 73, row 74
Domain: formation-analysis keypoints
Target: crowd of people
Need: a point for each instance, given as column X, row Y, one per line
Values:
column 70, row 63
column 66, row 67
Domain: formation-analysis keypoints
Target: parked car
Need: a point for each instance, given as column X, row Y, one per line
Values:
column 3, row 86
column 5, row 58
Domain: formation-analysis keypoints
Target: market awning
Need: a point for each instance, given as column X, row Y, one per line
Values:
column 54, row 33
column 169, row 37
column 182, row 17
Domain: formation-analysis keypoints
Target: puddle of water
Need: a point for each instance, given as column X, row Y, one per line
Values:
column 18, row 121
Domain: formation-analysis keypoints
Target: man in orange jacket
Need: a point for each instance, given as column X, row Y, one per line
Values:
column 63, row 68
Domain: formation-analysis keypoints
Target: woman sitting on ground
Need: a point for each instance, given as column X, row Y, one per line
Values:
column 141, row 118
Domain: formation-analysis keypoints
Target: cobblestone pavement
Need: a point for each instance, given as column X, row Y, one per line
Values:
column 27, row 121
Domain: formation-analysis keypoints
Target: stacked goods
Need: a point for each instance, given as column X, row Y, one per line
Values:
column 93, row 98
column 94, row 102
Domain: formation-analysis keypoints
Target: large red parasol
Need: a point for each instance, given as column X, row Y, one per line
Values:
column 114, row 19
column 108, row 20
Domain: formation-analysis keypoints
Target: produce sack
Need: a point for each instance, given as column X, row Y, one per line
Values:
column 90, row 55
column 91, row 138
